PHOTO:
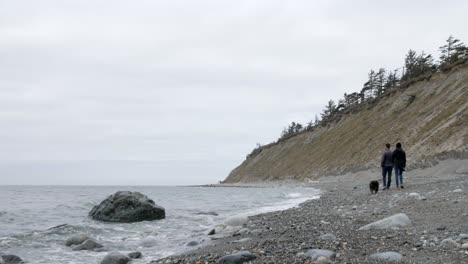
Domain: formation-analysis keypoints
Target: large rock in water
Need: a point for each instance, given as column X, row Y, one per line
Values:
column 11, row 259
column 127, row 207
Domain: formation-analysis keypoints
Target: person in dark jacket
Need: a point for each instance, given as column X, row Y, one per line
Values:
column 387, row 165
column 399, row 161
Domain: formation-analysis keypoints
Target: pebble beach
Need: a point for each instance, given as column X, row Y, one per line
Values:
column 426, row 222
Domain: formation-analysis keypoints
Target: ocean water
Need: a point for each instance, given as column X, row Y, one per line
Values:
column 29, row 216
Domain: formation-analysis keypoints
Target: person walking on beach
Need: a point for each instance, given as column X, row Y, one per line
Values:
column 399, row 161
column 387, row 165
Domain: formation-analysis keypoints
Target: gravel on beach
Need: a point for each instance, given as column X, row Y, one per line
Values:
column 434, row 199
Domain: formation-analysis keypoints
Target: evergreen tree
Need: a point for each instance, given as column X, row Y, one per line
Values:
column 292, row 129
column 329, row 110
column 379, row 82
column 410, row 65
column 424, row 63
column 391, row 81
column 369, row 87
column 451, row 51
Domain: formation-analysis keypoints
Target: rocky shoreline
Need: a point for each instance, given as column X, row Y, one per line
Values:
column 434, row 201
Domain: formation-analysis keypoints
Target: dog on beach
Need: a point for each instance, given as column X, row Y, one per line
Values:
column 374, row 186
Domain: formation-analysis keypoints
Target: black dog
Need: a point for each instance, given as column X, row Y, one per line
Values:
column 374, row 186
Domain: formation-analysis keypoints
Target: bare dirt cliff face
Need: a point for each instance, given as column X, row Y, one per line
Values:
column 429, row 118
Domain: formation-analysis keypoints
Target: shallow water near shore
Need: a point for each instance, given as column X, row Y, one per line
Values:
column 35, row 221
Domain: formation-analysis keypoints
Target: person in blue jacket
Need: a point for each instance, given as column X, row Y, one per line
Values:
column 399, row 161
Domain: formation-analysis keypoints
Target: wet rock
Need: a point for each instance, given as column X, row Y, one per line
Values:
column 89, row 244
column 237, row 258
column 115, row 258
column 11, row 259
column 193, row 243
column 441, row 228
column 212, row 232
column 393, row 222
column 328, row 237
column 76, row 240
column 449, row 243
column 317, row 253
column 387, row 256
column 135, row 255
column 208, row 213
column 127, row 207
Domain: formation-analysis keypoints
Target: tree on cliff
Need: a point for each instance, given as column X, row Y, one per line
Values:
column 329, row 110
column 379, row 81
column 292, row 129
column 452, row 51
column 417, row 65
column 391, row 81
column 369, row 86
column 410, row 65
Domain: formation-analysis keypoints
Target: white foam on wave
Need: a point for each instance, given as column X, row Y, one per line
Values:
column 293, row 195
column 295, row 200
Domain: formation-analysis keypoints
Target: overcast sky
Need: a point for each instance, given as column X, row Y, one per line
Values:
column 178, row 92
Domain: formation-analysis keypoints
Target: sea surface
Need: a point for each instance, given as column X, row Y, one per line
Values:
column 35, row 221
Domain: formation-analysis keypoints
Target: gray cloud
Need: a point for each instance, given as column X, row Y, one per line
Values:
column 184, row 87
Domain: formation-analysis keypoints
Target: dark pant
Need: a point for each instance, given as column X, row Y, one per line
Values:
column 387, row 170
column 398, row 176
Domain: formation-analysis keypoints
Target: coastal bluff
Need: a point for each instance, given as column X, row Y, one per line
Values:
column 428, row 116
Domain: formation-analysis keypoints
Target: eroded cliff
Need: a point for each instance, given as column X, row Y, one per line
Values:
column 428, row 117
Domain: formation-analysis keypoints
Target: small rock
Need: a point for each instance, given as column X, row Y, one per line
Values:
column 449, row 243
column 387, row 256
column 115, row 258
column 417, row 196
column 237, row 258
column 135, row 255
column 89, row 244
column 457, row 190
column 193, row 243
column 316, row 253
column 327, row 237
column 392, row 222
column 11, row 259
column 440, row 228
column 243, row 240
column 208, row 213
column 212, row 232
column 76, row 240
column 464, row 246
column 322, row 260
